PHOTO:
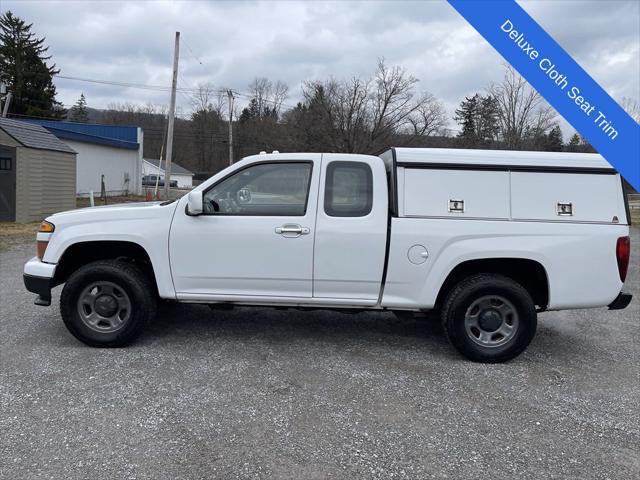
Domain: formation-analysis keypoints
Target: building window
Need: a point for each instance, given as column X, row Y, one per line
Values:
column 348, row 189
column 5, row 163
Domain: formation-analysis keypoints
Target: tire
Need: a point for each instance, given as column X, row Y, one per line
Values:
column 489, row 318
column 107, row 303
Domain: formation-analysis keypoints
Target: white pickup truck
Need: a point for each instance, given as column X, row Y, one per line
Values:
column 485, row 238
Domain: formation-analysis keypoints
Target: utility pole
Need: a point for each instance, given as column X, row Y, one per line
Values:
column 230, row 95
column 7, row 101
column 7, row 98
column 172, row 114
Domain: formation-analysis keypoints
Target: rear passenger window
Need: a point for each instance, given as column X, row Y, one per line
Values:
column 348, row 189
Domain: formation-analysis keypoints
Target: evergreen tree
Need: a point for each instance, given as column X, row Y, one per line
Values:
column 554, row 141
column 251, row 112
column 478, row 116
column 487, row 126
column 466, row 116
column 24, row 68
column 78, row 112
column 574, row 143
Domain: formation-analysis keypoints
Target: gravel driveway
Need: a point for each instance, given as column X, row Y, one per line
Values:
column 263, row 393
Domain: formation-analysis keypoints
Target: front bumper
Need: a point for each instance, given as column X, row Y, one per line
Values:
column 39, row 279
column 622, row 300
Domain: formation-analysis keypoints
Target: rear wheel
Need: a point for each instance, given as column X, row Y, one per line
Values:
column 489, row 318
column 107, row 303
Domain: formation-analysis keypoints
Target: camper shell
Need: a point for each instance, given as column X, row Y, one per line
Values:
column 504, row 185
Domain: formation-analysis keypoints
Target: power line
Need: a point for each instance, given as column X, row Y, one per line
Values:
column 162, row 88
column 143, row 86
column 193, row 55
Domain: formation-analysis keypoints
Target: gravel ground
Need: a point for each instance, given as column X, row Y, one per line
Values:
column 261, row 393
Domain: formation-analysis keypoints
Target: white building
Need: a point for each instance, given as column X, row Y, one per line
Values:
column 183, row 176
column 109, row 153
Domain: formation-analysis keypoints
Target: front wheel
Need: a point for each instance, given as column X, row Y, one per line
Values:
column 489, row 318
column 107, row 303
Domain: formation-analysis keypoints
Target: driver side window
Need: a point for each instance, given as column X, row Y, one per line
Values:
column 267, row 189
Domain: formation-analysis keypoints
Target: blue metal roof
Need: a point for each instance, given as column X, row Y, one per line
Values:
column 111, row 135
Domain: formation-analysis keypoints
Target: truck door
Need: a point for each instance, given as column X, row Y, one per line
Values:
column 351, row 228
column 255, row 238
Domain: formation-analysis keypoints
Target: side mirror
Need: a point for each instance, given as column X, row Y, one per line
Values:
column 194, row 203
column 244, row 196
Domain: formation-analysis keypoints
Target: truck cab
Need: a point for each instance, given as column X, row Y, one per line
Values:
column 302, row 229
column 485, row 239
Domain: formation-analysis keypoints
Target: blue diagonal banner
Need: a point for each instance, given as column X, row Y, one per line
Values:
column 559, row 79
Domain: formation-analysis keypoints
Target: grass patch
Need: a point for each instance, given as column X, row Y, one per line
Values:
column 17, row 233
column 20, row 233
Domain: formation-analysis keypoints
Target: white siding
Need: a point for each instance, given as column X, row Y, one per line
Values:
column 184, row 181
column 116, row 164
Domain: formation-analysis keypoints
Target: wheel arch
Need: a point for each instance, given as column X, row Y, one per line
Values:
column 527, row 272
column 82, row 253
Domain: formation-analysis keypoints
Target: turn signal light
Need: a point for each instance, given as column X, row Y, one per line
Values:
column 41, row 246
column 46, row 227
column 623, row 250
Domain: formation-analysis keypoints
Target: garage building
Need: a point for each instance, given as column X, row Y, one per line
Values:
column 37, row 173
column 109, row 153
column 184, row 177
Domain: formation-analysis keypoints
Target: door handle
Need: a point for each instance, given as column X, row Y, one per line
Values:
column 292, row 230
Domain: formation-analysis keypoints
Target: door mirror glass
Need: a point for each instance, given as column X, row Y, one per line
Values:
column 194, row 203
column 244, row 196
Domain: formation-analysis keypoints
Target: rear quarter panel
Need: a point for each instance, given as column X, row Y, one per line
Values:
column 579, row 259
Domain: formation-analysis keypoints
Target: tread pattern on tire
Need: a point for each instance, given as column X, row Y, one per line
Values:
column 482, row 280
column 140, row 286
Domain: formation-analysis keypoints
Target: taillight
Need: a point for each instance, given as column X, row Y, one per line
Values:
column 623, row 250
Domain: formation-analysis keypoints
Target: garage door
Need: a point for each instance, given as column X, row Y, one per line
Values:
column 7, row 184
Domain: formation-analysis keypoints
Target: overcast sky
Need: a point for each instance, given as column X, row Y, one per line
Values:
column 229, row 43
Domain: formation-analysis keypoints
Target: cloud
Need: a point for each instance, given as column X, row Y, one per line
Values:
column 227, row 44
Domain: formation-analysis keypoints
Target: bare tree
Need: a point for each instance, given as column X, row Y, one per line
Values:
column 392, row 100
column 261, row 89
column 268, row 96
column 430, row 118
column 280, row 94
column 632, row 107
column 522, row 112
column 364, row 115
column 207, row 126
column 206, row 98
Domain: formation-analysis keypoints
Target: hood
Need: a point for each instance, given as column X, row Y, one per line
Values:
column 123, row 211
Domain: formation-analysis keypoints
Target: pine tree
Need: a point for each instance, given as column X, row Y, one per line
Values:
column 478, row 116
column 78, row 112
column 252, row 112
column 574, row 143
column 554, row 141
column 24, row 68
column 466, row 116
column 487, row 126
